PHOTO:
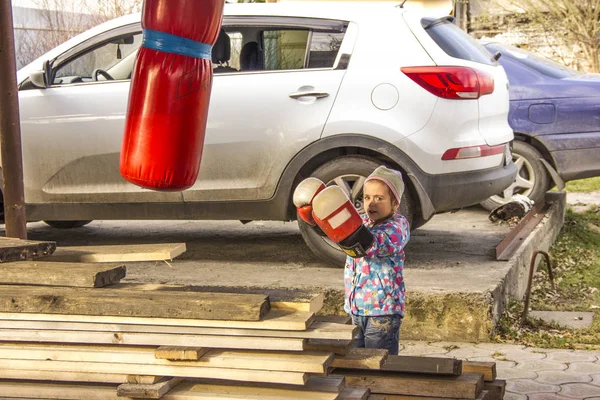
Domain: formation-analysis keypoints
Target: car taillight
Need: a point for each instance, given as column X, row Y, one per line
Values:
column 460, row 83
column 472, row 152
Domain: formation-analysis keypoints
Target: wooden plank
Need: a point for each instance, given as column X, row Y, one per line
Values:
column 234, row 359
column 19, row 250
column 495, row 388
column 179, row 353
column 62, row 391
column 464, row 386
column 281, row 299
column 275, row 320
column 330, row 383
column 317, row 330
column 131, row 303
column 488, row 369
column 118, row 253
column 144, row 379
column 192, row 390
column 63, row 376
column 361, row 358
column 292, row 378
column 377, row 397
column 153, row 339
column 352, row 393
column 339, row 347
column 153, row 391
column 337, row 319
column 483, row 396
column 424, row 365
column 48, row 273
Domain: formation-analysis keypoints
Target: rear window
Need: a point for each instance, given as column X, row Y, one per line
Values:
column 456, row 42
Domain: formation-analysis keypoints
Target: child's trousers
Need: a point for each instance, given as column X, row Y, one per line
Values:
column 378, row 332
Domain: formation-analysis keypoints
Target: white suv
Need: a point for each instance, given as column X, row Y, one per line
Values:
column 299, row 89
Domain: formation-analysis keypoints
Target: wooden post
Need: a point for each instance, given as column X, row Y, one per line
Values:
column 460, row 12
column 10, row 130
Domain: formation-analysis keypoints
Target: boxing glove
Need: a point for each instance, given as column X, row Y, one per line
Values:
column 303, row 196
column 335, row 214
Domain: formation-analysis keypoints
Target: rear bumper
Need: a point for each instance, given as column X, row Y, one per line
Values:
column 451, row 191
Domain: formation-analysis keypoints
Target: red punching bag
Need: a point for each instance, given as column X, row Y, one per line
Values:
column 170, row 92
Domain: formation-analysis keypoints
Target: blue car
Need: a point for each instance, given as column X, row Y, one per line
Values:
column 555, row 116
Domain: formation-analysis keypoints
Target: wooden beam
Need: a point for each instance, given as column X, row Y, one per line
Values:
column 118, row 253
column 361, row 358
column 495, row 388
column 191, row 390
column 144, row 379
column 293, row 378
column 353, row 393
column 153, row 391
column 424, row 365
column 179, row 353
column 338, row 319
column 465, row 386
column 48, row 273
column 488, row 369
column 234, row 359
column 483, row 396
column 317, row 330
column 153, row 339
column 131, row 303
column 63, row 391
column 12, row 249
column 274, row 320
column 281, row 299
column 339, row 347
column 330, row 383
column 63, row 376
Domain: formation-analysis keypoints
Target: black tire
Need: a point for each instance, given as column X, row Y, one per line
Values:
column 67, row 224
column 532, row 180
column 349, row 172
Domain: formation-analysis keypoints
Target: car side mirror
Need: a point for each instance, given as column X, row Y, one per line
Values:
column 38, row 79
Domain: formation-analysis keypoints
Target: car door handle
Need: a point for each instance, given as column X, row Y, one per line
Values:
column 318, row 95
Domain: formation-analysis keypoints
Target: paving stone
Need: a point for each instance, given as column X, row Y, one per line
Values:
column 595, row 379
column 585, row 367
column 547, row 396
column 570, row 319
column 525, row 386
column 499, row 363
column 579, row 390
column 541, row 365
column 418, row 349
column 514, row 396
column 570, row 356
column 513, row 373
column 522, row 355
column 560, row 377
column 470, row 352
column 500, row 346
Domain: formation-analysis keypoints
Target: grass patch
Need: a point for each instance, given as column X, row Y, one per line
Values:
column 576, row 266
column 584, row 185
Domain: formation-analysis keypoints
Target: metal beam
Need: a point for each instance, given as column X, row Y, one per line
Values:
column 10, row 130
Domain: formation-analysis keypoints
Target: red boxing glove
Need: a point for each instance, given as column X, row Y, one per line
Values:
column 170, row 91
column 303, row 196
column 335, row 214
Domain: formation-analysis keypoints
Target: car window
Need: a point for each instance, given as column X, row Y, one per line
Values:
column 540, row 64
column 455, row 42
column 323, row 50
column 115, row 57
column 284, row 49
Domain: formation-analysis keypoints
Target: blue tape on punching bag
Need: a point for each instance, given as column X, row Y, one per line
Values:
column 168, row 43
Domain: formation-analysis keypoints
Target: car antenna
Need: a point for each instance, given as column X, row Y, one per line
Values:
column 497, row 56
column 401, row 5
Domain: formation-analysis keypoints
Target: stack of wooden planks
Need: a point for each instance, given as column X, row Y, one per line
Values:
column 70, row 330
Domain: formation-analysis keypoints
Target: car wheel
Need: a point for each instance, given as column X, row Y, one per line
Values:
column 67, row 224
column 349, row 173
column 532, row 179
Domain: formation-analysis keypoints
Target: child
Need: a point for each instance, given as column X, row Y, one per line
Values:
column 374, row 284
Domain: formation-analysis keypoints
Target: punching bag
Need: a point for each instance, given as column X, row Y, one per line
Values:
column 170, row 92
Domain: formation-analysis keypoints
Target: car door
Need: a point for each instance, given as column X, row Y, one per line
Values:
column 274, row 103
column 72, row 130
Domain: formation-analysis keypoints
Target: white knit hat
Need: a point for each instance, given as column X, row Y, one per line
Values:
column 392, row 178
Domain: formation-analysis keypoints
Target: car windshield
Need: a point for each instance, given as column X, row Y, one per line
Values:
column 538, row 63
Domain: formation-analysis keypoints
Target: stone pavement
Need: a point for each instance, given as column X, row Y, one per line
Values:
column 530, row 373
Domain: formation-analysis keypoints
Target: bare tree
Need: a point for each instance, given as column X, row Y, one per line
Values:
column 569, row 23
